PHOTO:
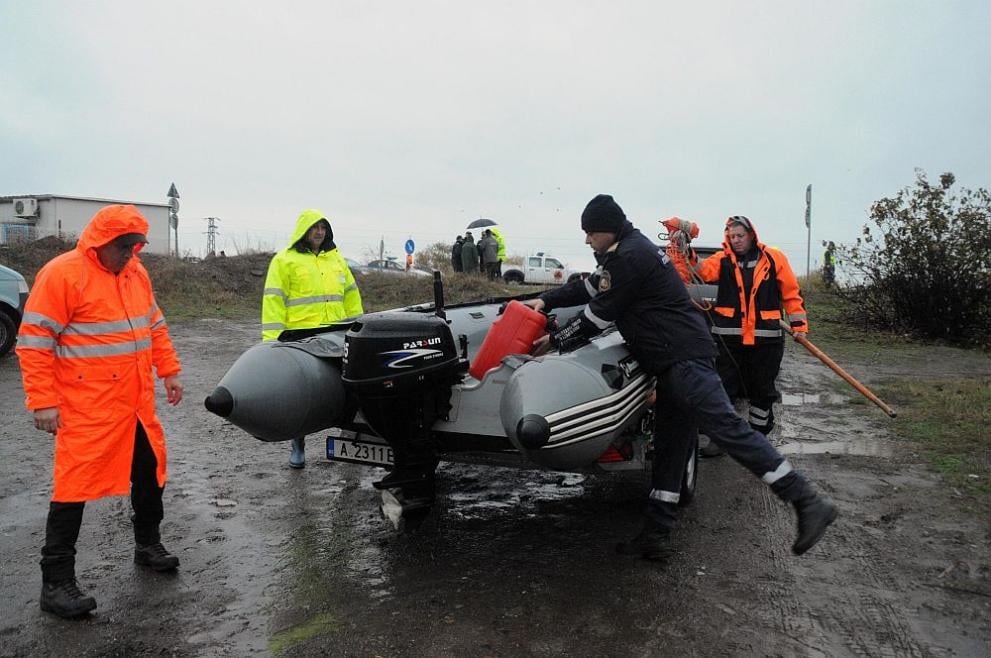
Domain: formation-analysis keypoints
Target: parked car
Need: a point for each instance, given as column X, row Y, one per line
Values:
column 392, row 267
column 13, row 294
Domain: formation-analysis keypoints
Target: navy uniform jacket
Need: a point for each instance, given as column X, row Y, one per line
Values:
column 637, row 287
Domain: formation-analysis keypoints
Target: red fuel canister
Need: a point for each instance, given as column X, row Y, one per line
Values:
column 513, row 333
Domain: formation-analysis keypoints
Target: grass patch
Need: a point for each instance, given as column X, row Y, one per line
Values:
column 832, row 330
column 320, row 624
column 948, row 420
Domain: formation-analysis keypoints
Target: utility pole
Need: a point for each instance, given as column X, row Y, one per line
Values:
column 211, row 235
column 808, row 227
column 174, row 216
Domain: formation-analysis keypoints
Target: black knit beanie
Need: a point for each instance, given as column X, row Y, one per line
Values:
column 603, row 214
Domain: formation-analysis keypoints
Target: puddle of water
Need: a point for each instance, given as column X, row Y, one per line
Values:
column 516, row 495
column 799, row 399
column 865, row 447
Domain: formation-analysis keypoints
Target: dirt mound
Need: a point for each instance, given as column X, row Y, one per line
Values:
column 28, row 257
column 231, row 286
column 214, row 287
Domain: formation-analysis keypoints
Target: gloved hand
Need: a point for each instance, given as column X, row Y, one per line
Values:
column 565, row 344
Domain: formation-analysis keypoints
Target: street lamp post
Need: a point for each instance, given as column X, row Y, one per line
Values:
column 174, row 215
column 808, row 227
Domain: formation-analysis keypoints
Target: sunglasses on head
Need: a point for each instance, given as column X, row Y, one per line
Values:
column 739, row 220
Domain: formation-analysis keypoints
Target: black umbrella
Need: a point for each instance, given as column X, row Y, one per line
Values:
column 481, row 223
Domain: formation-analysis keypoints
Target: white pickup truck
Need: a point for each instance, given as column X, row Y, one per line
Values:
column 540, row 269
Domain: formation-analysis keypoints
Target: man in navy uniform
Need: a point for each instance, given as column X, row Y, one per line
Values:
column 637, row 287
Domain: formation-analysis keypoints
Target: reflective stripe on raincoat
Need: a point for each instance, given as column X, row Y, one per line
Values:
column 306, row 290
column 87, row 345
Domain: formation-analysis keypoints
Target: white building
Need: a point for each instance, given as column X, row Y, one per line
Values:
column 35, row 216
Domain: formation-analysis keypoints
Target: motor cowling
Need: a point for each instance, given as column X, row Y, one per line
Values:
column 397, row 353
column 400, row 367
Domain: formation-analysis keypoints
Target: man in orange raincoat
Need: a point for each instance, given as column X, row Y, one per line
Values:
column 90, row 336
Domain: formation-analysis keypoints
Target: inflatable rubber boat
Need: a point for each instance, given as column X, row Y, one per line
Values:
column 407, row 388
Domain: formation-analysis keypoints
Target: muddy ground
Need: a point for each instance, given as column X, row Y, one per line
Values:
column 299, row 563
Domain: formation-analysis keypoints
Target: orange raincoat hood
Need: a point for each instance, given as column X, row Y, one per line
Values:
column 108, row 224
column 753, row 228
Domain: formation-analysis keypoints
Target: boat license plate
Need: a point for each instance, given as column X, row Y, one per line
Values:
column 362, row 452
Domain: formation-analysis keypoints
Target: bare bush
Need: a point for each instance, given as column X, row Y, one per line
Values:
column 435, row 257
column 923, row 264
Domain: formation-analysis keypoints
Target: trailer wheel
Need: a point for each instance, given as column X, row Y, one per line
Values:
column 690, row 479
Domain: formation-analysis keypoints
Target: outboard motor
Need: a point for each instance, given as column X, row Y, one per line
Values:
column 401, row 367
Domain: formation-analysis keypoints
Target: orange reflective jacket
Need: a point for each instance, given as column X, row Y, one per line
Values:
column 774, row 287
column 87, row 344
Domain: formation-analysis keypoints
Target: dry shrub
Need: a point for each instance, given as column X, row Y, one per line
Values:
column 924, row 265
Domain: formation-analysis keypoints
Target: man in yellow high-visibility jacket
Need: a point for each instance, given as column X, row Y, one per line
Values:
column 308, row 285
column 501, row 254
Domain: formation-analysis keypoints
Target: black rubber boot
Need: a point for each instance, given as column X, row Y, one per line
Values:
column 653, row 543
column 815, row 513
column 155, row 556
column 64, row 599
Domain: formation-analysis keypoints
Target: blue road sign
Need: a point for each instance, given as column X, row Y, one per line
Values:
column 409, row 246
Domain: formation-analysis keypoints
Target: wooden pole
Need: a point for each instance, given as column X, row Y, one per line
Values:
column 847, row 377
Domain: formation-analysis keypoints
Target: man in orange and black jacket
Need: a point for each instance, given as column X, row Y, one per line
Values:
column 755, row 283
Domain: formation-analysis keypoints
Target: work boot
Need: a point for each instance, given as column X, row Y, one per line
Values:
column 155, row 556
column 653, row 543
column 815, row 513
column 64, row 599
column 297, row 459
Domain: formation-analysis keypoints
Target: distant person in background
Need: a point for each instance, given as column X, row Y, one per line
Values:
column 91, row 342
column 489, row 250
column 308, row 285
column 456, row 254
column 501, row 254
column 829, row 264
column 469, row 255
column 754, row 283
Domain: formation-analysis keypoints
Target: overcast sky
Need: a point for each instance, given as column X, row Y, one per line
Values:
column 410, row 119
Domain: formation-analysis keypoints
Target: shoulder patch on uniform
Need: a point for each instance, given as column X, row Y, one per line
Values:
column 605, row 281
